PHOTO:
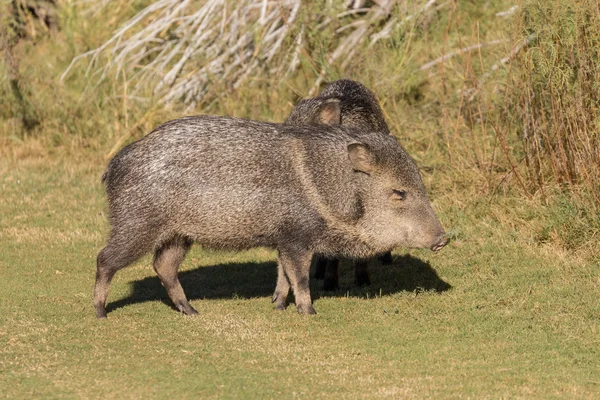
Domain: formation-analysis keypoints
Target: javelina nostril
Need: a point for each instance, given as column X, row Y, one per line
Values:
column 442, row 241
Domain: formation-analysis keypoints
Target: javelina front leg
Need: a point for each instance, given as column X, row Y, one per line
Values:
column 361, row 273
column 320, row 267
column 296, row 265
column 281, row 290
column 166, row 262
column 386, row 258
column 331, row 281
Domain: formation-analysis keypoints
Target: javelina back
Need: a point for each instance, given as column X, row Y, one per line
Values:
column 349, row 103
column 231, row 183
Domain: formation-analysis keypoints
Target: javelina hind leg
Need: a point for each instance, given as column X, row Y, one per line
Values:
column 166, row 262
column 296, row 265
column 331, row 275
column 111, row 259
column 361, row 273
column 320, row 267
column 281, row 290
column 386, row 259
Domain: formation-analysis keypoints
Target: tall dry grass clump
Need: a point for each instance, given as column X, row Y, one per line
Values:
column 556, row 93
column 178, row 50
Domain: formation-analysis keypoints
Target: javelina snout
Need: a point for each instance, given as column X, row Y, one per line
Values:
column 442, row 241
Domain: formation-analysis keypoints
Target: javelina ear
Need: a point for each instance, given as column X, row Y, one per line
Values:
column 362, row 158
column 329, row 112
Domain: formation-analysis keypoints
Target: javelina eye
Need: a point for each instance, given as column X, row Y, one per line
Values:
column 399, row 194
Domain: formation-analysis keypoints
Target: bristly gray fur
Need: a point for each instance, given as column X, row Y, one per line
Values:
column 232, row 183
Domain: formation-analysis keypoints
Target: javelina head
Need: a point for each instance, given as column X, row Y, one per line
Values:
column 343, row 102
column 396, row 209
column 316, row 111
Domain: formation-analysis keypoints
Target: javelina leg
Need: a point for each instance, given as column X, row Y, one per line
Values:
column 386, row 259
column 331, row 275
column 281, row 290
column 320, row 268
column 296, row 265
column 111, row 259
column 166, row 263
column 361, row 273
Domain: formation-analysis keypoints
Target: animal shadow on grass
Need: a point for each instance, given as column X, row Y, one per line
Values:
column 247, row 280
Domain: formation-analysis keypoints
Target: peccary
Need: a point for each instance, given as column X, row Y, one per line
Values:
column 348, row 103
column 344, row 102
column 231, row 183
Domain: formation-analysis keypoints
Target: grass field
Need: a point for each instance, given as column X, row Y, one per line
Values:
column 505, row 133
column 492, row 315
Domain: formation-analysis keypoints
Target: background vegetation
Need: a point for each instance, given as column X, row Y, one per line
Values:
column 499, row 104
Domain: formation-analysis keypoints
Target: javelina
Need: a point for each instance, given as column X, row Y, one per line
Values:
column 344, row 102
column 348, row 103
column 232, row 183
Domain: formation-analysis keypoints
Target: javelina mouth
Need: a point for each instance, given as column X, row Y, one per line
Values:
column 441, row 243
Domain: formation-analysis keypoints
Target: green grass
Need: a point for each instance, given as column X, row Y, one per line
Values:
column 493, row 315
column 509, row 309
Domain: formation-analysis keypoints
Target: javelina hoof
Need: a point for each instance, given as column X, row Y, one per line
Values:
column 187, row 309
column 280, row 301
column 330, row 284
column 100, row 312
column 386, row 259
column 306, row 309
